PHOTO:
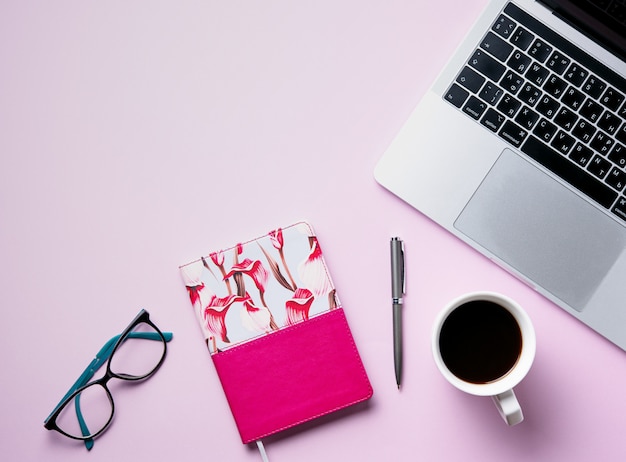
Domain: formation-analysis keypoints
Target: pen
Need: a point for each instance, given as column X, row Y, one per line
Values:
column 397, row 290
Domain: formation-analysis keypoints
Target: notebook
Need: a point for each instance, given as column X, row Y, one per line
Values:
column 519, row 149
column 276, row 331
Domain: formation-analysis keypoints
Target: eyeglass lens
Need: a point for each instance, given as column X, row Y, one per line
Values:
column 137, row 356
column 94, row 407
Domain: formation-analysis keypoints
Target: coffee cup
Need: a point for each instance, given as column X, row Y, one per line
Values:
column 484, row 344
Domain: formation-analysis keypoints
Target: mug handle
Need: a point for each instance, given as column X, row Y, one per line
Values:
column 508, row 407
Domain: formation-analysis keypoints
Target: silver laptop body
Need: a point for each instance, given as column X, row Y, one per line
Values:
column 479, row 154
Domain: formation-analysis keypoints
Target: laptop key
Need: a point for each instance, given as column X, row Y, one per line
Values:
column 573, row 98
column 594, row 86
column 470, row 79
column 547, row 106
column 599, row 166
column 519, row 62
column 511, row 82
column 509, row 106
column 558, row 62
column 565, row 118
column 617, row 179
column 537, row 74
column 612, row 99
column 583, row 130
column 545, row 130
column 563, row 142
column 620, row 208
column 513, row 133
column 521, row 38
column 527, row 118
column 569, row 172
column 493, row 120
column 555, row 86
column 618, row 155
column 609, row 122
column 602, row 143
column 456, row 95
column 504, row 26
column 529, row 94
column 487, row 65
column 540, row 50
column 591, row 110
column 496, row 46
column 491, row 93
column 475, row 108
column 581, row 154
column 576, row 74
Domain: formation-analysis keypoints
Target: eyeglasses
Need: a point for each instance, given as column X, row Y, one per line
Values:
column 87, row 408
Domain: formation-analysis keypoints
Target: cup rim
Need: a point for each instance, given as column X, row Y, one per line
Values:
column 521, row 368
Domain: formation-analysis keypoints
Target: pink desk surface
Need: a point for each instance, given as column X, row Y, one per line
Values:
column 136, row 136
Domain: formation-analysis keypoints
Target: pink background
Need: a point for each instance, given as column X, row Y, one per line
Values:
column 136, row 136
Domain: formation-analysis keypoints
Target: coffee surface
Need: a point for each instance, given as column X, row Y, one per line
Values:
column 480, row 341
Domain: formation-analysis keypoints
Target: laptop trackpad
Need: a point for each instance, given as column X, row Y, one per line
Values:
column 534, row 224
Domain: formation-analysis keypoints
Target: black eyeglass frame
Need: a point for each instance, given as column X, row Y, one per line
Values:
column 108, row 353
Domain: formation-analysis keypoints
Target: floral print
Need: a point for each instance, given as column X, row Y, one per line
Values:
column 312, row 271
column 215, row 314
column 250, row 289
column 298, row 307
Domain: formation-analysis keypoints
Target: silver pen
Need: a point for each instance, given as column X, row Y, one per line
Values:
column 397, row 291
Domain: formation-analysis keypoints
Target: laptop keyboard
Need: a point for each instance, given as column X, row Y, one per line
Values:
column 552, row 101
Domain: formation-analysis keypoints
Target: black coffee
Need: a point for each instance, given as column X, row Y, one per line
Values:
column 480, row 341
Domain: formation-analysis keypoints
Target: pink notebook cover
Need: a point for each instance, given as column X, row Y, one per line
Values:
column 276, row 330
column 294, row 375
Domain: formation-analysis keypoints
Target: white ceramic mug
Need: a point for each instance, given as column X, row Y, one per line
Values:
column 471, row 331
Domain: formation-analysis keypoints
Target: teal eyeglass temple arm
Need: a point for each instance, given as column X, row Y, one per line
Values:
column 101, row 358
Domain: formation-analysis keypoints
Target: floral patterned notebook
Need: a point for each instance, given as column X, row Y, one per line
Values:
column 272, row 321
column 260, row 286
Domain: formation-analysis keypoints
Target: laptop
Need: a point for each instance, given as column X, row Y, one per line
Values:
column 519, row 149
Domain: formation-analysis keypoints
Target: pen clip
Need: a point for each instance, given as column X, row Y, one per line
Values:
column 398, row 279
column 403, row 275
